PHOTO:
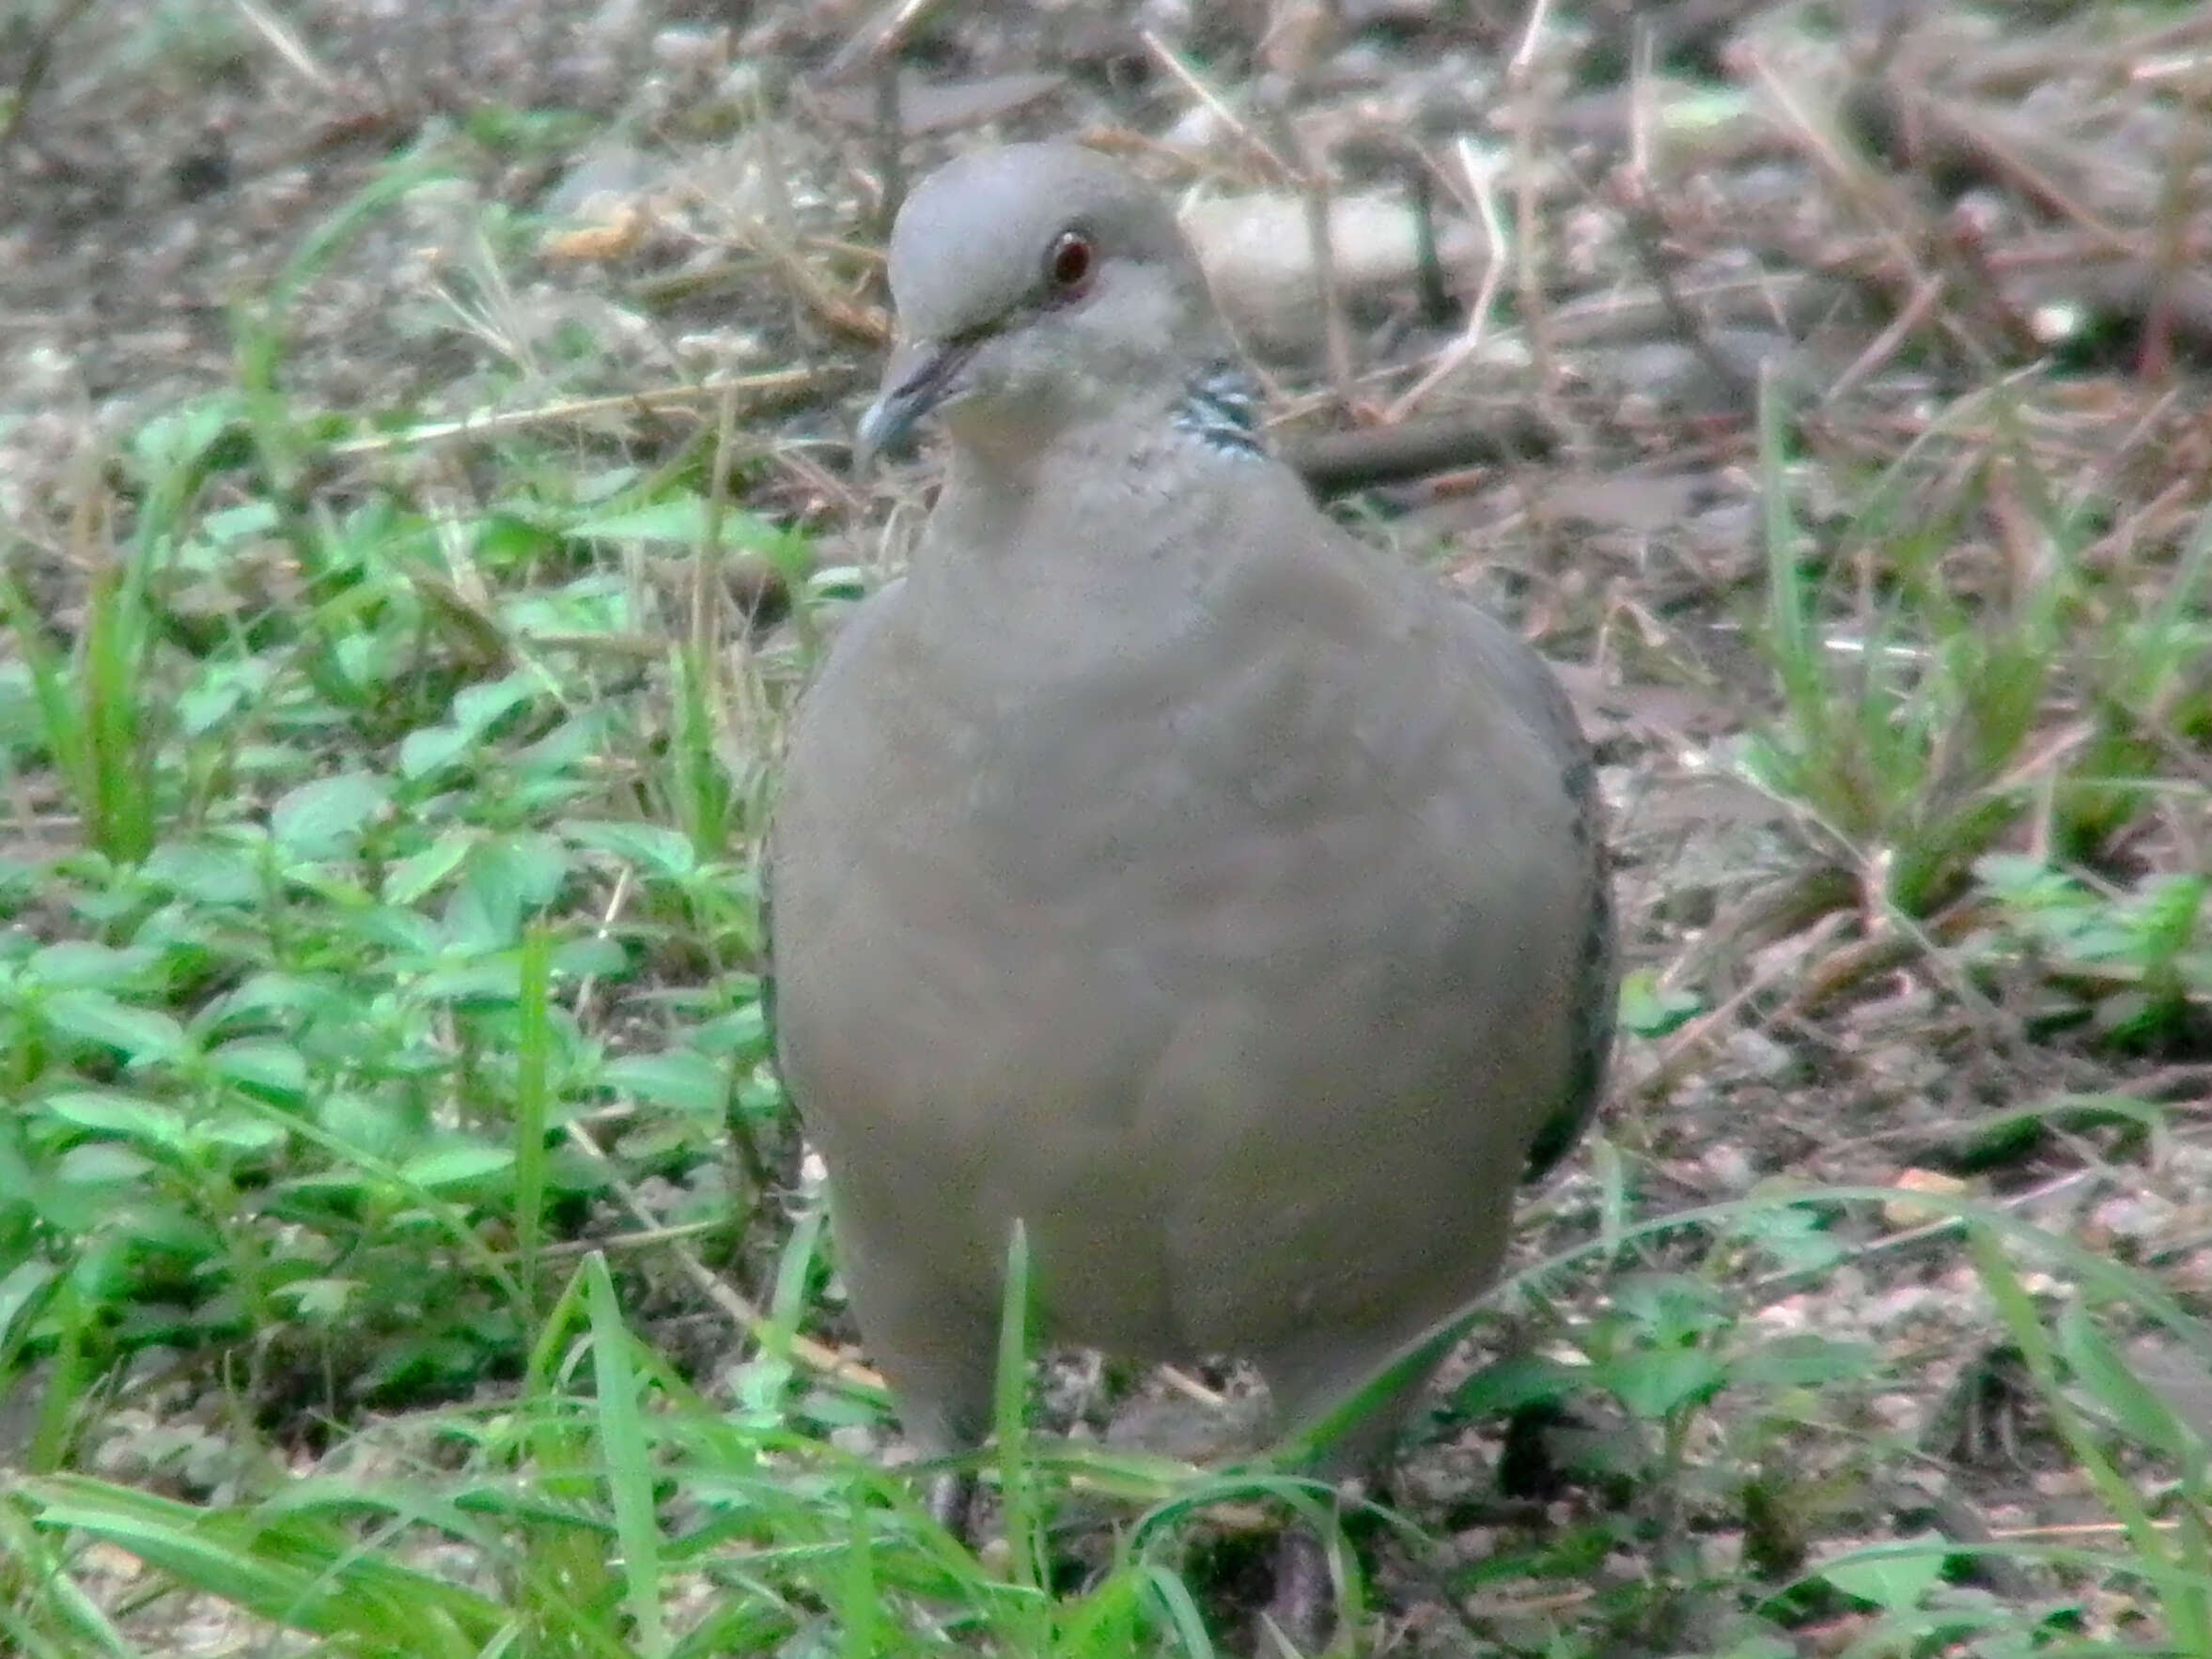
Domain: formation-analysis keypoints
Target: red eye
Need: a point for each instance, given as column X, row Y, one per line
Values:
column 1070, row 262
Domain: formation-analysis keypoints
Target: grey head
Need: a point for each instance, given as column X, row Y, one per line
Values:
column 1039, row 287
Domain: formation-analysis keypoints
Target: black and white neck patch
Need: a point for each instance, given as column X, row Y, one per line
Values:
column 1221, row 409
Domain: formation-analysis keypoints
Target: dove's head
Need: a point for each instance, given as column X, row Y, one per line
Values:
column 1039, row 287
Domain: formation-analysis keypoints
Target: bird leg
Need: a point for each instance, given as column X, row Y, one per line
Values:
column 952, row 1503
column 1300, row 1616
column 1297, row 1615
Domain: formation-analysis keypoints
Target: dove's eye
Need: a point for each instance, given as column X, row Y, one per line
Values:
column 1067, row 266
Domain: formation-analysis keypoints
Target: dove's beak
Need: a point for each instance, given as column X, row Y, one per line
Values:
column 922, row 373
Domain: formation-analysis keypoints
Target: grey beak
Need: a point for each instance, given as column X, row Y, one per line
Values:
column 920, row 374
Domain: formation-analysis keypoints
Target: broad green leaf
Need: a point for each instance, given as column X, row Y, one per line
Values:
column 378, row 1125
column 221, row 690
column 1652, row 1010
column 507, row 879
column 1897, row 1582
column 459, row 1165
column 101, row 1163
column 679, row 1079
column 320, row 1301
column 242, row 1132
column 208, row 872
column 1653, row 1382
column 112, row 1113
column 430, row 748
column 263, row 1065
column 406, row 882
column 22, row 1292
column 478, row 707
column 683, row 520
column 658, row 848
column 277, row 993
column 178, row 438
column 1673, row 1306
column 1516, row 1381
column 1798, row 1239
column 593, row 953
column 494, row 980
column 85, row 963
column 324, row 819
column 94, row 1017
column 743, row 1030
